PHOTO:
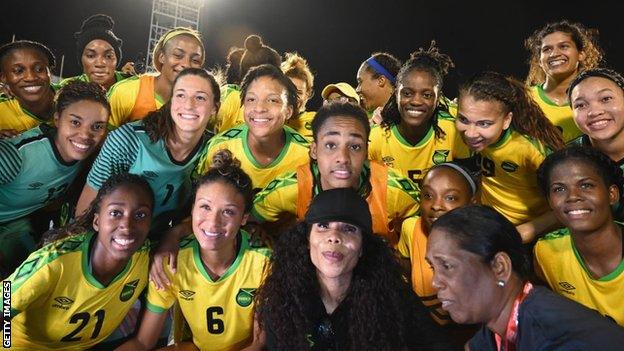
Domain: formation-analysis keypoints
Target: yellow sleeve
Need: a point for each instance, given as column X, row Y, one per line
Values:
column 277, row 200
column 159, row 301
column 537, row 266
column 229, row 111
column 122, row 97
column 403, row 197
column 28, row 289
column 406, row 237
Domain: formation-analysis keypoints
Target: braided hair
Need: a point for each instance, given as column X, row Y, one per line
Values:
column 85, row 221
column 528, row 118
column 431, row 61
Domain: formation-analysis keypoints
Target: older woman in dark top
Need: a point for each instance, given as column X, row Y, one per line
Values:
column 481, row 270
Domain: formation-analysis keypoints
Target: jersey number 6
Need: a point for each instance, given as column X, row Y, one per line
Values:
column 215, row 325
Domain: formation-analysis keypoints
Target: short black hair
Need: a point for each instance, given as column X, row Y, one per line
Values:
column 343, row 109
column 27, row 44
column 609, row 171
column 484, row 232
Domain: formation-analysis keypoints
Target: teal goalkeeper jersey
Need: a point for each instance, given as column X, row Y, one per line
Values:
column 32, row 173
column 129, row 149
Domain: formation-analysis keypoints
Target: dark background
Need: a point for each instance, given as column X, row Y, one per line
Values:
column 335, row 36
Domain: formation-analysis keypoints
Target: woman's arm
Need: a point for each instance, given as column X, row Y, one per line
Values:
column 151, row 326
column 87, row 195
column 535, row 228
column 259, row 337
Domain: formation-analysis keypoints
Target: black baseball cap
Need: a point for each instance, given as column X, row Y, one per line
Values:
column 341, row 205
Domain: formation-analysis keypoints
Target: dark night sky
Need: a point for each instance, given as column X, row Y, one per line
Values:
column 335, row 36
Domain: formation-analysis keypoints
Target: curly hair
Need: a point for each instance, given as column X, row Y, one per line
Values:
column 226, row 168
column 585, row 39
column 159, row 124
column 382, row 313
column 603, row 165
column 85, row 221
column 528, row 118
column 606, row 73
column 431, row 61
column 295, row 66
column 78, row 90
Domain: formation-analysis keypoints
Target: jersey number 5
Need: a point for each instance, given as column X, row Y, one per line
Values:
column 83, row 319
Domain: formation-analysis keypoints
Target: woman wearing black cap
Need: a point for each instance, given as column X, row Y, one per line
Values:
column 333, row 285
column 98, row 50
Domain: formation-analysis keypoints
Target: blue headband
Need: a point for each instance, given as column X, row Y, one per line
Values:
column 380, row 69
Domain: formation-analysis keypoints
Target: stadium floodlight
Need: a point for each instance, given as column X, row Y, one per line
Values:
column 167, row 14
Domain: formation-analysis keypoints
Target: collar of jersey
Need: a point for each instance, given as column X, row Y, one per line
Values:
column 545, row 98
column 616, row 272
column 243, row 239
column 502, row 140
column 251, row 158
column 87, row 271
column 421, row 142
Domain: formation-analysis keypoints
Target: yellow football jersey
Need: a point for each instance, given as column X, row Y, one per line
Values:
column 219, row 313
column 389, row 147
column 231, row 113
column 302, row 124
column 294, row 153
column 559, row 264
column 559, row 115
column 132, row 99
column 57, row 304
column 509, row 180
column 413, row 245
column 280, row 199
column 14, row 116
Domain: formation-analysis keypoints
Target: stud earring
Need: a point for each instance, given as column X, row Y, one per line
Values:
column 500, row 283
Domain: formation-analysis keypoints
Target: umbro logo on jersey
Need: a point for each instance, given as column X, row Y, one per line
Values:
column 567, row 287
column 187, row 295
column 128, row 290
column 509, row 166
column 388, row 160
column 62, row 302
column 150, row 174
column 34, row 186
column 439, row 156
column 245, row 296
